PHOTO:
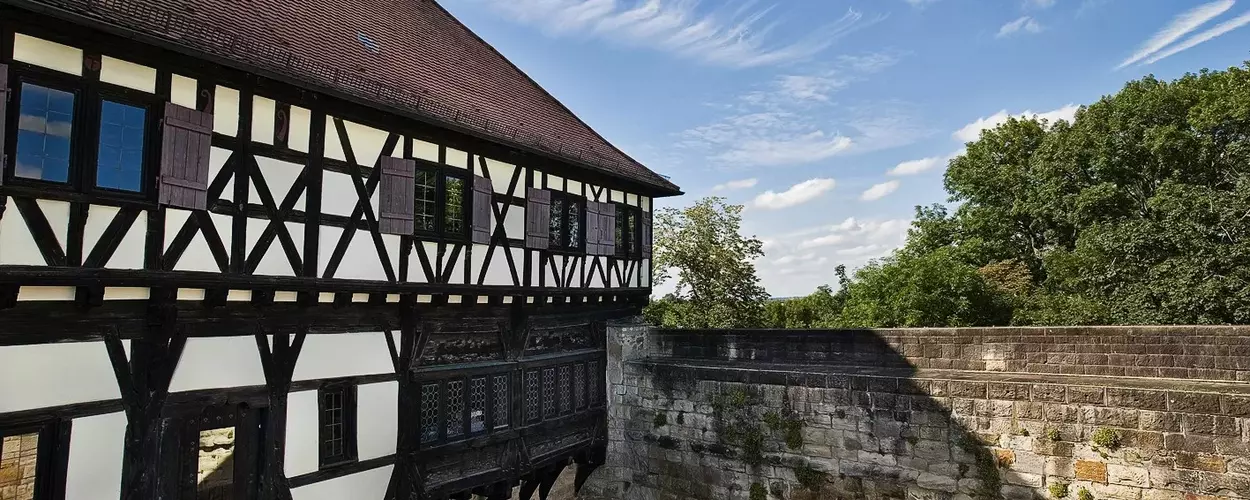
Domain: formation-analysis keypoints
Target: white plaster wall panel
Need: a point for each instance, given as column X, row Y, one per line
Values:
column 496, row 272
column 427, row 151
column 361, row 260
column 416, row 273
column 184, row 91
column 370, row 484
column 38, row 293
column 217, row 158
column 616, row 196
column 457, row 267
column 646, row 204
column 631, row 199
column 300, row 129
column 275, row 263
column 279, row 177
column 333, row 147
column 57, row 213
column 644, row 271
column 591, row 193
column 226, row 111
column 553, row 267
column 367, row 142
column 302, row 436
column 28, row 380
column 17, row 246
column 129, row 253
column 128, row 74
column 264, row 119
column 338, row 194
column 51, row 55
column 501, row 176
column 574, row 187
column 96, row 446
column 555, row 182
column 537, row 267
column 595, row 279
column 391, row 242
column 634, row 280
column 575, row 270
column 126, row 293
column 198, row 256
column 213, row 362
column 98, row 218
column 377, row 419
column 514, row 222
column 333, row 355
column 457, row 158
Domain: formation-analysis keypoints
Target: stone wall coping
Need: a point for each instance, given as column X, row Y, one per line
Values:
column 1196, row 330
column 801, row 375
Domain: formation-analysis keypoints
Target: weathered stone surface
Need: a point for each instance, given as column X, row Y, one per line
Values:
column 1087, row 470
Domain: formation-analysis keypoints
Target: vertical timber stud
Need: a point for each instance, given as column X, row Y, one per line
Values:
column 187, row 141
column 407, row 481
column 4, row 124
column 482, row 201
column 397, row 196
column 312, row 227
column 278, row 364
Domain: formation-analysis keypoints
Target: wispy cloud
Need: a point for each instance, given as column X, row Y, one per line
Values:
column 736, row 185
column 736, row 37
column 1180, row 26
column 972, row 131
column 1203, row 37
column 1025, row 24
column 1039, row 4
column 798, row 194
column 879, row 191
column 914, row 167
column 919, row 3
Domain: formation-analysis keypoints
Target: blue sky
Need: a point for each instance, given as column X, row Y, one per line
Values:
column 831, row 119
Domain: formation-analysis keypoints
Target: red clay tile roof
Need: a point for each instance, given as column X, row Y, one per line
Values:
column 429, row 64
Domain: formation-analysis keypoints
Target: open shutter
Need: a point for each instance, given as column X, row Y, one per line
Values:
column 4, row 125
column 397, row 192
column 481, row 210
column 185, row 144
column 646, row 235
column 537, row 218
column 608, row 216
column 594, row 228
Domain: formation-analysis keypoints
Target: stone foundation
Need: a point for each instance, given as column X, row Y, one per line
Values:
column 928, row 414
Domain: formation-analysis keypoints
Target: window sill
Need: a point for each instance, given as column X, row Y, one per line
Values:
column 64, row 194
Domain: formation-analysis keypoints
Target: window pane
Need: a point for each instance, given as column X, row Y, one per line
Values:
column 215, row 473
column 119, row 164
column 18, row 466
column 575, row 224
column 332, row 427
column 477, row 405
column 455, row 408
column 429, row 413
column 43, row 133
column 632, row 219
column 622, row 232
column 427, row 199
column 453, row 223
column 557, row 222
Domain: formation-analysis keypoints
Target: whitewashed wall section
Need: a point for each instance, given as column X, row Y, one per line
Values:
column 198, row 256
column 302, row 433
column 29, row 381
column 368, row 485
column 130, row 252
column 215, row 362
column 377, row 422
column 343, row 355
column 96, row 452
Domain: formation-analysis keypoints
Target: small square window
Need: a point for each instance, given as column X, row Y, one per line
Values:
column 338, row 424
column 119, row 163
column 44, row 129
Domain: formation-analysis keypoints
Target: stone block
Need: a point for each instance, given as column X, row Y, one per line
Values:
column 1200, row 461
column 1086, row 395
column 1225, row 484
column 1137, row 398
column 1193, row 402
column 1087, row 470
column 1128, row 475
column 1019, row 478
column 1159, row 421
column 1048, row 392
column 1060, row 466
column 930, row 481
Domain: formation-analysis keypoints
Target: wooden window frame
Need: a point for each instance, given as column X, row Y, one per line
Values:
column 89, row 96
column 249, row 455
column 52, row 456
column 347, row 393
column 440, row 232
column 562, row 245
column 629, row 246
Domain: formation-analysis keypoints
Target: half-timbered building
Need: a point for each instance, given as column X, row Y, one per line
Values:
column 328, row 249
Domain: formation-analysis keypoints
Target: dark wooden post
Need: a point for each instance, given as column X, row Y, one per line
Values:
column 407, row 483
column 278, row 363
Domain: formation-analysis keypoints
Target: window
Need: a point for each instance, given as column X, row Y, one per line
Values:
column 440, row 209
column 337, row 424
column 214, row 475
column 501, row 401
column 44, row 133
column 119, row 161
column 566, row 222
column 429, row 413
column 628, row 231
column 19, row 465
column 477, row 405
column 223, row 452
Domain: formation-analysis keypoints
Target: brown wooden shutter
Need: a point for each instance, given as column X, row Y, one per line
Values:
column 397, row 192
column 646, row 235
column 4, row 124
column 594, row 228
column 608, row 215
column 185, row 146
column 537, row 218
column 482, row 201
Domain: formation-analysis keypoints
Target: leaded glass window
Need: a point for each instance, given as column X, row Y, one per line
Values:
column 501, row 401
column 531, row 396
column 427, row 200
column 429, row 413
column 477, row 405
column 579, row 386
column 44, row 128
column 119, row 159
column 549, row 393
column 455, row 408
column 453, row 207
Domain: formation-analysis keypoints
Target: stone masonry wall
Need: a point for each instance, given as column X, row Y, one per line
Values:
column 1101, row 413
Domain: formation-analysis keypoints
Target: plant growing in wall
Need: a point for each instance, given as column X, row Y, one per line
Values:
column 1058, row 490
column 1106, row 438
column 758, row 492
column 1084, row 494
column 737, row 426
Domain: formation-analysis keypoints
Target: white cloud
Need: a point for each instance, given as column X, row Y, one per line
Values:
column 878, row 191
column 735, row 185
column 810, row 87
column 739, row 37
column 920, row 3
column 1181, row 25
column 799, row 261
column 1039, row 4
column 1025, row 24
column 798, row 194
column 1203, row 37
column 972, row 131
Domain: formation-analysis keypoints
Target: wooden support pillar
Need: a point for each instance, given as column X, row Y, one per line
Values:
column 405, row 356
column 278, row 363
column 548, row 481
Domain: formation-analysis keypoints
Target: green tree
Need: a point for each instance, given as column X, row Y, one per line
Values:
column 922, row 290
column 703, row 249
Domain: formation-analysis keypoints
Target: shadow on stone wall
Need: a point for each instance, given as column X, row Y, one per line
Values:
column 850, row 415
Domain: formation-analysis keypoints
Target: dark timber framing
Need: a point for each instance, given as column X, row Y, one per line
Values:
column 552, row 324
